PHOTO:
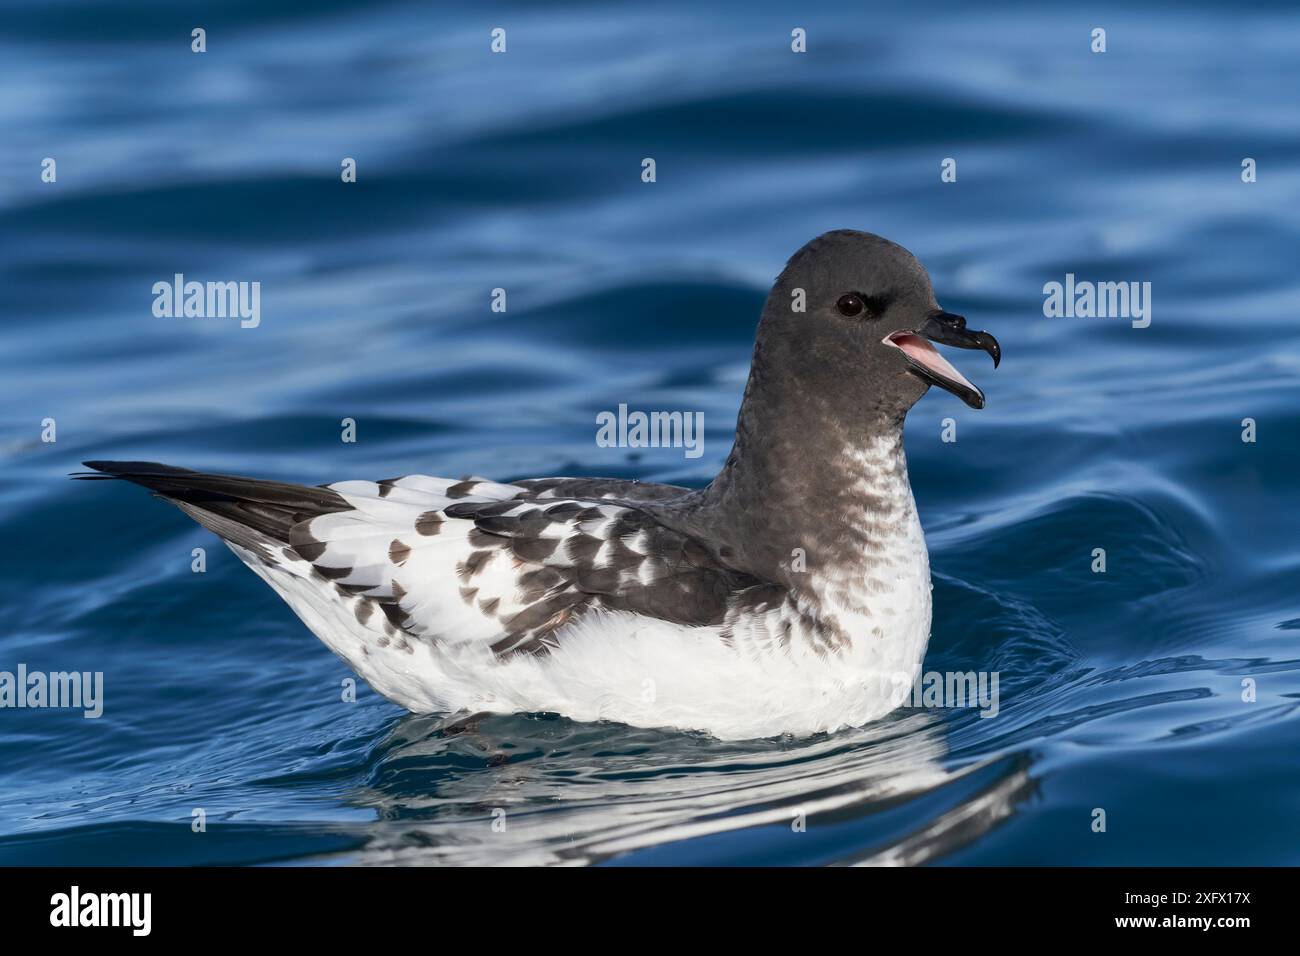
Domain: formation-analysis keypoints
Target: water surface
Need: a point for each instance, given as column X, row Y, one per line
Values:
column 1120, row 691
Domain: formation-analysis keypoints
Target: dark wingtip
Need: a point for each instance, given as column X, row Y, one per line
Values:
column 118, row 467
column 105, row 470
column 100, row 470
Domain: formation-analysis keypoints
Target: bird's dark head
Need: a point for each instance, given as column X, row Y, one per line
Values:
column 855, row 313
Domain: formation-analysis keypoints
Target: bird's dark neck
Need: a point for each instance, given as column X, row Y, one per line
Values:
column 816, row 476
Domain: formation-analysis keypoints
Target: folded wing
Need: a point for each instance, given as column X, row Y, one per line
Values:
column 501, row 564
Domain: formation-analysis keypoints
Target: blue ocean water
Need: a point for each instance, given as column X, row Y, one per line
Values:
column 1120, row 691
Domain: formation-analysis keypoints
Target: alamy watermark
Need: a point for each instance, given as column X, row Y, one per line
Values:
column 1100, row 300
column 626, row 429
column 943, row 689
column 208, row 300
column 78, row 690
column 957, row 689
column 133, row 911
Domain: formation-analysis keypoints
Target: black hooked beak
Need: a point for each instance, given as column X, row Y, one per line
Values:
column 926, row 362
column 948, row 329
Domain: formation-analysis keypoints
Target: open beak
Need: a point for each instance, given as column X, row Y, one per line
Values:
column 924, row 360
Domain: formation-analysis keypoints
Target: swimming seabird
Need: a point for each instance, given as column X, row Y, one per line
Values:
column 789, row 596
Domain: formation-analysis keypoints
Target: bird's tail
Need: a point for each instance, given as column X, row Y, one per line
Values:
column 250, row 512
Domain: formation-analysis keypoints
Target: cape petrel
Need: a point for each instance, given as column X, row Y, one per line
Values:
column 790, row 595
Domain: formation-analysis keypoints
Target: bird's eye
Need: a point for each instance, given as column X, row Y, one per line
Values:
column 850, row 304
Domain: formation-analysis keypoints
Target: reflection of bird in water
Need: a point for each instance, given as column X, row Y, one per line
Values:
column 445, row 792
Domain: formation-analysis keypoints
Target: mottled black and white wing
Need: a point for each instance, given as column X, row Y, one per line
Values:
column 478, row 561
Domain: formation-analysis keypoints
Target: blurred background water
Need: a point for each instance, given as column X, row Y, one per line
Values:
column 1121, row 691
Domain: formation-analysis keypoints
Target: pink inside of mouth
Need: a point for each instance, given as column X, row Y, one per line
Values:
column 921, row 352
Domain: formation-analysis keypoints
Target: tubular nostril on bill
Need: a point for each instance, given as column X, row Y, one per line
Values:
column 952, row 320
